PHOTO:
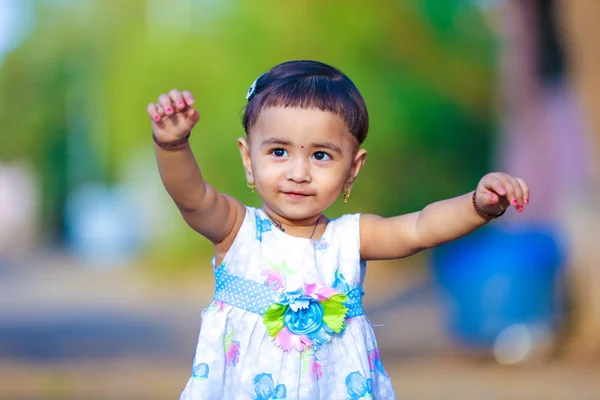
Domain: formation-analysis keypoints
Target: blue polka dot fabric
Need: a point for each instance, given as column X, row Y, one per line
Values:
column 243, row 293
column 354, row 304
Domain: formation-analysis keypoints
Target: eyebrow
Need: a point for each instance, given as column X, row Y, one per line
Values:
column 328, row 145
column 271, row 141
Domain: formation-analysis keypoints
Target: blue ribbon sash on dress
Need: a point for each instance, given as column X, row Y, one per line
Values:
column 256, row 297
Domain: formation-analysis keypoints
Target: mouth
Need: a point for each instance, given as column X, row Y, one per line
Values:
column 296, row 195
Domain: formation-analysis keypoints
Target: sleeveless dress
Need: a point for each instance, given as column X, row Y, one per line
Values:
column 286, row 321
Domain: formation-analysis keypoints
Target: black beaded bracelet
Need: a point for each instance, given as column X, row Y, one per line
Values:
column 171, row 145
column 481, row 213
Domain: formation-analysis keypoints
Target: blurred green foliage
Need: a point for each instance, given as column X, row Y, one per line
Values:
column 73, row 96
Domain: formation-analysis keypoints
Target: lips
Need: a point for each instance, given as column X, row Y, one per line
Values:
column 296, row 193
column 296, row 196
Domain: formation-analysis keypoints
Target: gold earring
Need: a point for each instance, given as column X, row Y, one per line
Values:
column 346, row 196
column 252, row 186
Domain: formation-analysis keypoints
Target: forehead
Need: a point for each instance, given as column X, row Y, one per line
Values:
column 300, row 124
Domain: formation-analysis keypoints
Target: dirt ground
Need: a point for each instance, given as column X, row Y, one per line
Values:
column 67, row 332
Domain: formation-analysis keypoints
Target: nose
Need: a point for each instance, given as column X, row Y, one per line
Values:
column 299, row 170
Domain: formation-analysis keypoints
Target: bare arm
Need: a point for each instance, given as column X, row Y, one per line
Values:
column 440, row 222
column 212, row 214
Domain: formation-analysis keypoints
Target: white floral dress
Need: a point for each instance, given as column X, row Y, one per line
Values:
column 286, row 321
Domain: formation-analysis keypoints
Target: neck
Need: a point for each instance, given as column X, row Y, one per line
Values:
column 308, row 226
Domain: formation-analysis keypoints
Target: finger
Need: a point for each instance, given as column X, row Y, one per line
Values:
column 188, row 97
column 519, row 200
column 193, row 114
column 165, row 102
column 492, row 192
column 153, row 112
column 509, row 187
column 160, row 110
column 525, row 189
column 177, row 99
column 489, row 199
column 494, row 184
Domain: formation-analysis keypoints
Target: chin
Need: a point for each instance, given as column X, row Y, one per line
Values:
column 296, row 211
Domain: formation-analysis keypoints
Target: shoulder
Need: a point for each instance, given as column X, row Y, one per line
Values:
column 388, row 238
column 245, row 220
column 369, row 221
column 346, row 227
column 370, row 232
column 346, row 221
column 251, row 213
column 252, row 218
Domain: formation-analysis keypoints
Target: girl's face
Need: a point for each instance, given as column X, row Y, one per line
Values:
column 300, row 160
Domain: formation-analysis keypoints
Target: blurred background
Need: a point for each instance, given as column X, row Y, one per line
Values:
column 102, row 283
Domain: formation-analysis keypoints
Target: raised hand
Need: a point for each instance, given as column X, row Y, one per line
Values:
column 498, row 191
column 173, row 116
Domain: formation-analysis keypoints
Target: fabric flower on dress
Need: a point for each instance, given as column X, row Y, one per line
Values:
column 321, row 244
column 306, row 317
column 275, row 280
column 232, row 350
column 201, row 371
column 358, row 387
column 216, row 305
column 276, row 275
column 265, row 389
column 315, row 370
column 262, row 226
column 340, row 284
column 375, row 363
column 310, row 365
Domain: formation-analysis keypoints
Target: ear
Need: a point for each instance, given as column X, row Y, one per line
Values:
column 357, row 164
column 244, row 147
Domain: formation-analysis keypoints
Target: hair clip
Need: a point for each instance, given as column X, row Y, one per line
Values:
column 252, row 89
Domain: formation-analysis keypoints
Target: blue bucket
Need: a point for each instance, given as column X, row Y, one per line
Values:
column 499, row 276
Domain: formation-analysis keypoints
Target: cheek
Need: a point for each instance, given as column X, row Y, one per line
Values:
column 266, row 172
column 332, row 180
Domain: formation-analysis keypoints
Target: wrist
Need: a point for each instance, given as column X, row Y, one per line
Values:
column 482, row 214
column 171, row 145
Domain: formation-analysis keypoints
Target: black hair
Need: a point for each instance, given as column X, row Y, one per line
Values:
column 308, row 84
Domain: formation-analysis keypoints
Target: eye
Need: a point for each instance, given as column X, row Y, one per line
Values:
column 279, row 152
column 321, row 156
